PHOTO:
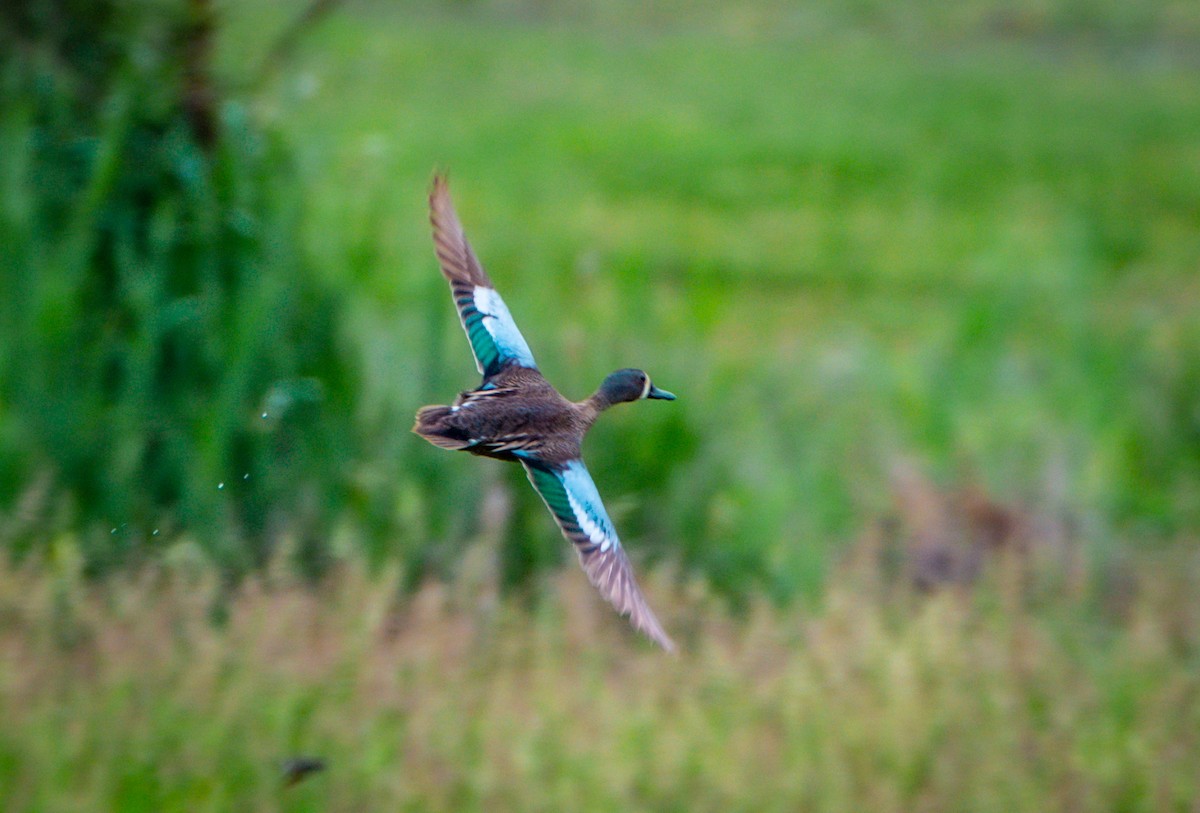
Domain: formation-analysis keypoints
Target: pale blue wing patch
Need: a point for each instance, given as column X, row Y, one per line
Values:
column 494, row 336
column 509, row 343
column 587, row 506
column 570, row 494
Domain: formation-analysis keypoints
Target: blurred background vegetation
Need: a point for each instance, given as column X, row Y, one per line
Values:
column 923, row 275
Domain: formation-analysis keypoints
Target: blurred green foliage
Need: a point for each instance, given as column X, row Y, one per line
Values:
column 170, row 364
column 842, row 233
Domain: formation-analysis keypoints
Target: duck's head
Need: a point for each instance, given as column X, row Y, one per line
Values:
column 629, row 385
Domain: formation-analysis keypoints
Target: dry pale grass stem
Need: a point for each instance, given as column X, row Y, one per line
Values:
column 128, row 689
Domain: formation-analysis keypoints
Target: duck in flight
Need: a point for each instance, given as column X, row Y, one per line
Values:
column 516, row 415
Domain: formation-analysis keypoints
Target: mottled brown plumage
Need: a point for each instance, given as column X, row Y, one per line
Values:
column 519, row 412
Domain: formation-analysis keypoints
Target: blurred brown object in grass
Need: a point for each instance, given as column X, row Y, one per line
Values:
column 296, row 769
column 940, row 537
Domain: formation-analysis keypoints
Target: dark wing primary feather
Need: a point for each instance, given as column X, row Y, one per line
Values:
column 570, row 494
column 494, row 336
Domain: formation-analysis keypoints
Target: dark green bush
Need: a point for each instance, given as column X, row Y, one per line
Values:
column 165, row 353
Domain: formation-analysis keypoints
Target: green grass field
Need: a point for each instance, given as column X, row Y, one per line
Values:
column 842, row 243
column 128, row 698
column 899, row 262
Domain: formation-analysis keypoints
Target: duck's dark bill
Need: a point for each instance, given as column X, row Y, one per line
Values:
column 661, row 395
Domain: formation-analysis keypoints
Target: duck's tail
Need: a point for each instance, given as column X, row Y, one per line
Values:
column 433, row 425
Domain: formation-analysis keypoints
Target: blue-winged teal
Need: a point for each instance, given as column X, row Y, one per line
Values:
column 515, row 414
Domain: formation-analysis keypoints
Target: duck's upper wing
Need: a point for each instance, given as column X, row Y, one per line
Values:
column 570, row 494
column 493, row 334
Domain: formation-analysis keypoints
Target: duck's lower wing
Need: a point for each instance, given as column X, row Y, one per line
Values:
column 570, row 493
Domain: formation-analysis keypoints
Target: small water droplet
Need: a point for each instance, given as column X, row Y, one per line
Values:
column 246, row 476
column 264, row 416
column 220, row 486
column 114, row 530
column 155, row 532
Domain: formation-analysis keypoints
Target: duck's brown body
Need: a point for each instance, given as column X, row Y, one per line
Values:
column 517, row 412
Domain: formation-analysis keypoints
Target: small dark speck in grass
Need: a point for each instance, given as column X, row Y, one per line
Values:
column 296, row 769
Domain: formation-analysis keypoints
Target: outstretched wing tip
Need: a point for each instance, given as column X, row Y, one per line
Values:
column 439, row 186
column 654, row 631
column 570, row 493
column 667, row 644
column 627, row 598
column 441, row 208
column 493, row 334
